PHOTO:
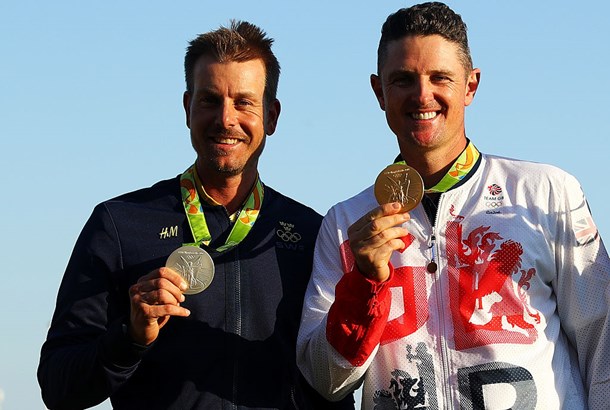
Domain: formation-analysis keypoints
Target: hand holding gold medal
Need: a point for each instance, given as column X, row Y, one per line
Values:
column 195, row 266
column 376, row 235
column 403, row 184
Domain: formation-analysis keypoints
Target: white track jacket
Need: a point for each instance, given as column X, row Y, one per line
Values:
column 515, row 316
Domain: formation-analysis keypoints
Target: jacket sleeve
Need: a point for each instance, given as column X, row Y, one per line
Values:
column 344, row 315
column 87, row 354
column 583, row 292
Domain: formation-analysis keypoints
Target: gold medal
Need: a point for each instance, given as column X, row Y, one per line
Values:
column 194, row 265
column 399, row 183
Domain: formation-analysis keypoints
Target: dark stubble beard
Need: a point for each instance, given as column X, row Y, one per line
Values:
column 229, row 170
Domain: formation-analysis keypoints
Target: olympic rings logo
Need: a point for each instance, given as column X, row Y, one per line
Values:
column 493, row 204
column 288, row 236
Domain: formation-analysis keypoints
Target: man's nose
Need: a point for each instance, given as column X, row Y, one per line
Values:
column 227, row 115
column 423, row 91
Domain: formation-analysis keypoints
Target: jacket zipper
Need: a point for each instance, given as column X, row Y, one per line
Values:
column 237, row 328
column 440, row 307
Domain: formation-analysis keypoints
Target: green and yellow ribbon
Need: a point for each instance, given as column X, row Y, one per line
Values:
column 196, row 217
column 460, row 168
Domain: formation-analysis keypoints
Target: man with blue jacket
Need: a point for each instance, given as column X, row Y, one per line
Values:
column 129, row 328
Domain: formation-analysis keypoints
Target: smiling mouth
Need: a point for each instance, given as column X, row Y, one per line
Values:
column 225, row 140
column 423, row 115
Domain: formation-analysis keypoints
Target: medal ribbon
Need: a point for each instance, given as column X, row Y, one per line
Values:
column 460, row 168
column 196, row 218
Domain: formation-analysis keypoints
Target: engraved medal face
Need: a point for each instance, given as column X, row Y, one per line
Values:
column 399, row 183
column 194, row 265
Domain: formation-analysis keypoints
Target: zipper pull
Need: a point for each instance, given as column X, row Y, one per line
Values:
column 432, row 265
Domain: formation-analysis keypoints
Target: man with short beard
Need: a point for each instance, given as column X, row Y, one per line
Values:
column 187, row 294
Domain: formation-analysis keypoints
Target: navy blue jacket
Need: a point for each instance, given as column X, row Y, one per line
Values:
column 235, row 350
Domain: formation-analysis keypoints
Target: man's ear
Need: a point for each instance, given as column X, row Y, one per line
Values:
column 272, row 115
column 186, row 103
column 472, row 85
column 378, row 90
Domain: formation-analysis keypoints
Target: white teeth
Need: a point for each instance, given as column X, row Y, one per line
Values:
column 229, row 141
column 423, row 115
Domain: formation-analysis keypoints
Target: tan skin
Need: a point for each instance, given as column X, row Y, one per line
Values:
column 229, row 121
column 424, row 88
column 154, row 299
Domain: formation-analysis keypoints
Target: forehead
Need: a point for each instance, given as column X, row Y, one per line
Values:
column 209, row 72
column 422, row 54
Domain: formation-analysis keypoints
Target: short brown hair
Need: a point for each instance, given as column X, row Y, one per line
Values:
column 241, row 41
column 425, row 19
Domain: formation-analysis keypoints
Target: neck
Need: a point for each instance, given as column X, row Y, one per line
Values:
column 230, row 191
column 432, row 165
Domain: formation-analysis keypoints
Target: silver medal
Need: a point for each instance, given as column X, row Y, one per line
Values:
column 194, row 265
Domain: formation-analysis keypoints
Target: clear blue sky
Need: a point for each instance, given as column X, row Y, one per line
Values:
column 91, row 103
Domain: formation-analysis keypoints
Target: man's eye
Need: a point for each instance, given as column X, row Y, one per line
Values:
column 440, row 78
column 243, row 103
column 209, row 100
column 403, row 82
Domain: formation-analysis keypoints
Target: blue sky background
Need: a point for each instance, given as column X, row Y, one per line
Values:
column 91, row 107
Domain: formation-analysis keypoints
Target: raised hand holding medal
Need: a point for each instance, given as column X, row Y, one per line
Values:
column 375, row 236
column 401, row 183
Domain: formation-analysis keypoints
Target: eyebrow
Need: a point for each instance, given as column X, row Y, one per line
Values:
column 248, row 94
column 447, row 73
column 407, row 73
column 212, row 91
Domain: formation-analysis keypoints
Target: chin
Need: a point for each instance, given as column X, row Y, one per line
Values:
column 220, row 167
column 425, row 139
column 229, row 170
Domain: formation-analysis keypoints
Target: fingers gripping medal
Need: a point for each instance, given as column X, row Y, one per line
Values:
column 399, row 183
column 194, row 265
